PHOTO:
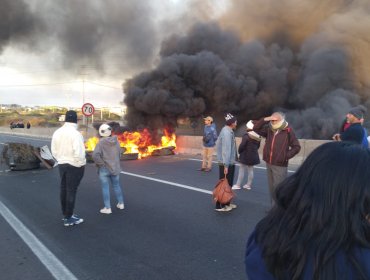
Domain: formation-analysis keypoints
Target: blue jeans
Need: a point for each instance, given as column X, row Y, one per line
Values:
column 105, row 177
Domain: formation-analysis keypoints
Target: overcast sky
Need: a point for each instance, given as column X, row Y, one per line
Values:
column 74, row 51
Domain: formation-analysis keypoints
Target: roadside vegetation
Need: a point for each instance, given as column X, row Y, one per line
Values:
column 45, row 116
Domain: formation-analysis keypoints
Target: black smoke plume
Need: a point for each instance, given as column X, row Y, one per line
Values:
column 308, row 73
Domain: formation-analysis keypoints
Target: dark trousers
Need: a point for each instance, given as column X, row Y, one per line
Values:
column 70, row 179
column 229, row 178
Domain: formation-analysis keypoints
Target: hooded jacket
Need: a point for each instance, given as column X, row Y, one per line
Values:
column 248, row 151
column 209, row 135
column 67, row 145
column 280, row 145
column 107, row 154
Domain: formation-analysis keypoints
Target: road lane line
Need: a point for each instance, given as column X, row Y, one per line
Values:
column 168, row 183
column 50, row 261
column 258, row 167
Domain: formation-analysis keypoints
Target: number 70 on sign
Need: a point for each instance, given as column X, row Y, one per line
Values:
column 88, row 109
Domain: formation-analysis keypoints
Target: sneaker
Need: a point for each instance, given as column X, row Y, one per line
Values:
column 201, row 169
column 233, row 206
column 247, row 187
column 224, row 209
column 74, row 220
column 120, row 206
column 207, row 170
column 74, row 215
column 235, row 187
column 106, row 211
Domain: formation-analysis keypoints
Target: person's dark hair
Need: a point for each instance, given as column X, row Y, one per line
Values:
column 320, row 210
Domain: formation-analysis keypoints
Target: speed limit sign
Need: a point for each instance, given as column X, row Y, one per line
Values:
column 88, row 109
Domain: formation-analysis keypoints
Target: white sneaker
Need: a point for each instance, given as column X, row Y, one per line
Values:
column 247, row 187
column 233, row 206
column 106, row 211
column 225, row 209
column 236, row 187
column 120, row 206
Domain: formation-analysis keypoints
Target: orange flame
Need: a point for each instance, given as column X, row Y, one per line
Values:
column 138, row 142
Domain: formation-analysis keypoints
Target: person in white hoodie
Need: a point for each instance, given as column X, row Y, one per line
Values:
column 106, row 156
column 68, row 148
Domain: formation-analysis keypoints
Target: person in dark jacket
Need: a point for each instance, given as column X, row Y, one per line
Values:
column 281, row 145
column 352, row 130
column 106, row 156
column 248, row 157
column 319, row 227
column 209, row 143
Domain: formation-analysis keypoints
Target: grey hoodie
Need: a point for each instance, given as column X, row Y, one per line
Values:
column 107, row 153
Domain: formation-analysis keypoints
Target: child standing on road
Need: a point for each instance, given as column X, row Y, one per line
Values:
column 106, row 156
column 248, row 157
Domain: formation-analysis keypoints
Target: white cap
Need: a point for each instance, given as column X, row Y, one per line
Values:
column 105, row 130
column 250, row 125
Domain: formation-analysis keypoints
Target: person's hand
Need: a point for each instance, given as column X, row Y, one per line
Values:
column 270, row 118
column 336, row 137
column 226, row 170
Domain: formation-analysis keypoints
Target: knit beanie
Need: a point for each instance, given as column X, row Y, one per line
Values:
column 71, row 116
column 230, row 119
column 357, row 112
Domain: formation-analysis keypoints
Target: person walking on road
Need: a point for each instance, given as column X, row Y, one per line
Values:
column 209, row 142
column 226, row 156
column 248, row 157
column 319, row 227
column 281, row 145
column 106, row 156
column 67, row 147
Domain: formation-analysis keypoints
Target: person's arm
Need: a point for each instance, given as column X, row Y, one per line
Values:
column 294, row 146
column 98, row 156
column 226, row 150
column 79, row 151
column 243, row 144
column 260, row 127
column 214, row 134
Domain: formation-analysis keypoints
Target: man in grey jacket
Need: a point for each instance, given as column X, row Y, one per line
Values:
column 106, row 156
column 226, row 156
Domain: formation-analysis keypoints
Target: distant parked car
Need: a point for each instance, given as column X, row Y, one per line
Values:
column 18, row 124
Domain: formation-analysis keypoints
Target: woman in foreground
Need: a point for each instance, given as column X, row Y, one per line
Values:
column 319, row 227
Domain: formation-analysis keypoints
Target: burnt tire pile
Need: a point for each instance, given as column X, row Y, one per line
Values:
column 20, row 156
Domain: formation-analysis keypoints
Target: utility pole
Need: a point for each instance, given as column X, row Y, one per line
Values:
column 83, row 73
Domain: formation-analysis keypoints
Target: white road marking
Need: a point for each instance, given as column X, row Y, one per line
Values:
column 50, row 261
column 168, row 183
column 258, row 167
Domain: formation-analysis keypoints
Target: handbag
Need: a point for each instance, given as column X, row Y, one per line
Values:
column 223, row 192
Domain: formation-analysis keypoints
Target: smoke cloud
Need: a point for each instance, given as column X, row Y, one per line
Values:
column 308, row 59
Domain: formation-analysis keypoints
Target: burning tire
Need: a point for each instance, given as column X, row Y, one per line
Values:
column 20, row 156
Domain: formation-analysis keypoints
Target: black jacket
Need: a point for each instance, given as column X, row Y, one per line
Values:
column 248, row 151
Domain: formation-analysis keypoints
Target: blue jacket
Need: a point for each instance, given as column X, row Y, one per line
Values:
column 365, row 143
column 226, row 147
column 354, row 133
column 209, row 135
column 257, row 270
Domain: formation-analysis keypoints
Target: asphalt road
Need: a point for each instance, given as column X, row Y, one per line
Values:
column 168, row 230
